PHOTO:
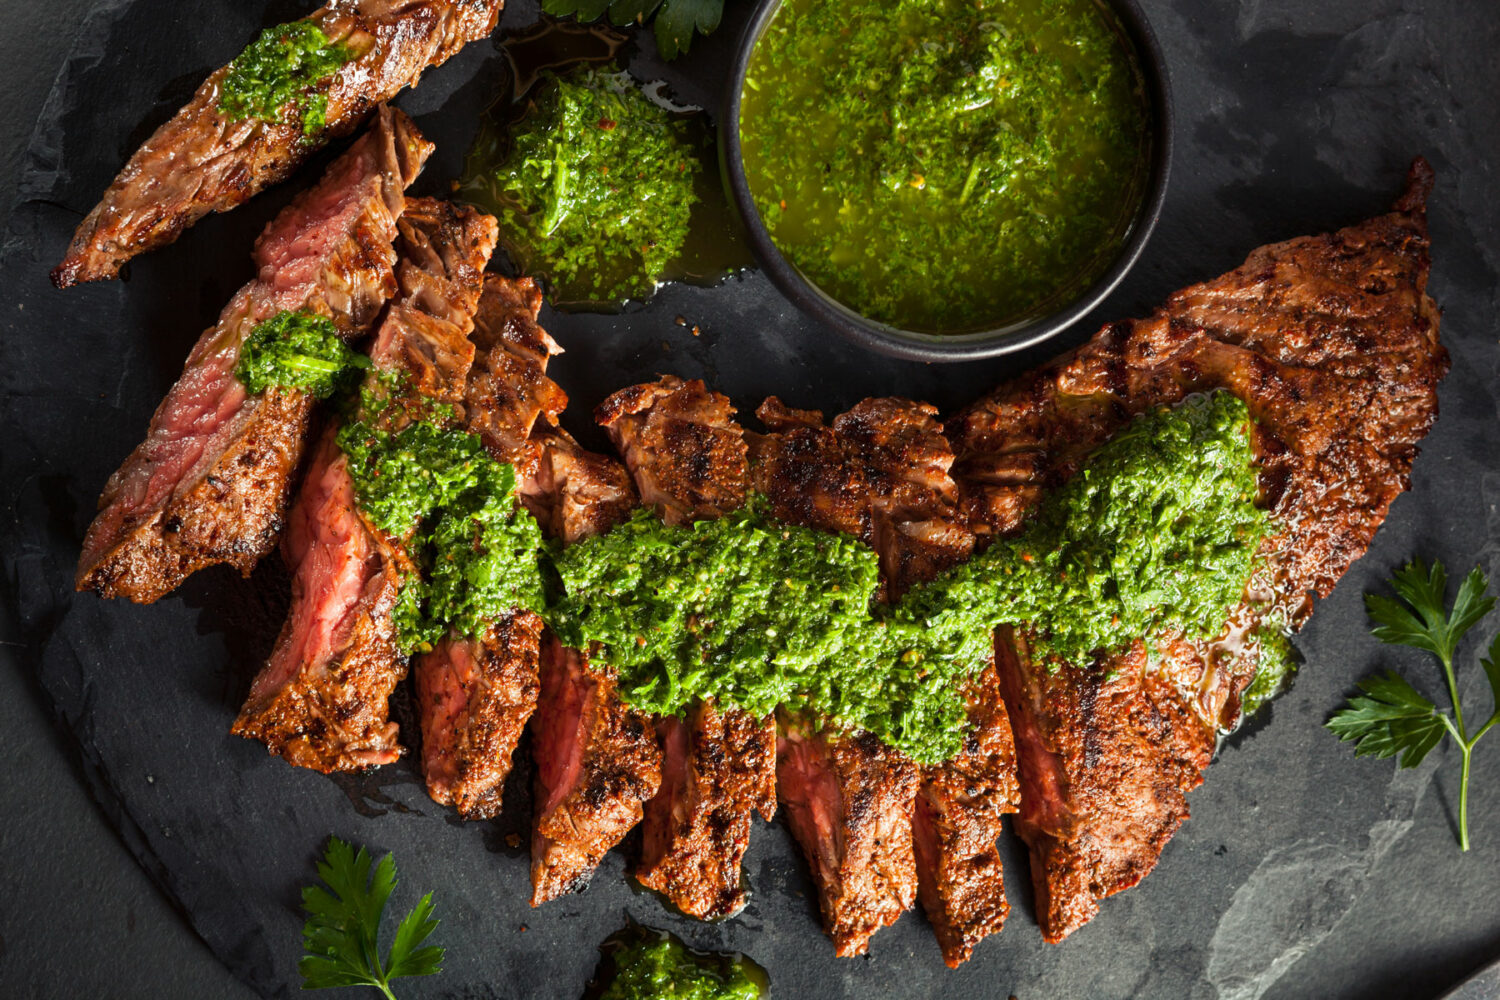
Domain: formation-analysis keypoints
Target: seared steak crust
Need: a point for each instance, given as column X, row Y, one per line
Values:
column 688, row 457
column 202, row 162
column 597, row 763
column 322, row 700
column 475, row 696
column 960, row 879
column 849, row 801
column 211, row 482
column 1332, row 342
column 682, row 445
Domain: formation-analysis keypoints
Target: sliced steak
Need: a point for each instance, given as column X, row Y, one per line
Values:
column 475, row 695
column 202, row 161
column 688, row 457
column 211, row 481
column 597, row 764
column 1332, row 342
column 597, row 760
column 321, row 701
column 848, row 800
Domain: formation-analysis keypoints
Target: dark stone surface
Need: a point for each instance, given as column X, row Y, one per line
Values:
column 1303, row 872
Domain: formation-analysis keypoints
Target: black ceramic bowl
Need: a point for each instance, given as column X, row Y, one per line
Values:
column 962, row 346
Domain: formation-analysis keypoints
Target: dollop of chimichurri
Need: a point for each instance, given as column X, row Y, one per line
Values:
column 476, row 549
column 945, row 165
column 297, row 350
column 642, row 964
column 595, row 187
column 283, row 76
column 1156, row 534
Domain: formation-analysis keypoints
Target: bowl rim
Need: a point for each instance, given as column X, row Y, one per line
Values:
column 909, row 344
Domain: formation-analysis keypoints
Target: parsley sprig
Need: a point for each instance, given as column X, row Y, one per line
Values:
column 342, row 933
column 676, row 20
column 1392, row 717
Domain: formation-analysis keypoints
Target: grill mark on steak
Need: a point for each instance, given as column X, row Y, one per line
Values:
column 1332, row 342
column 202, row 162
column 322, row 699
column 475, row 695
column 688, row 457
column 211, row 481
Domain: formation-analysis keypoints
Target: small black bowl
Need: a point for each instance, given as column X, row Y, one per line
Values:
column 962, row 346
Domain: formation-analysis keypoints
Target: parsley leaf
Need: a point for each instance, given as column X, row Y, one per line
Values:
column 341, row 936
column 676, row 20
column 1392, row 717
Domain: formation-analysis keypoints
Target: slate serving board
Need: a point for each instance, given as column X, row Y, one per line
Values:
column 1302, row 873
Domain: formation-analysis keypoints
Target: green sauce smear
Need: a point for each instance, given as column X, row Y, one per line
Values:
column 297, row 350
column 283, row 76
column 434, row 485
column 946, row 165
column 1156, row 534
column 595, row 190
column 654, row 965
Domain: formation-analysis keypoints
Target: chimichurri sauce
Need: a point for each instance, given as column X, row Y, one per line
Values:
column 945, row 165
column 599, row 188
column 644, row 964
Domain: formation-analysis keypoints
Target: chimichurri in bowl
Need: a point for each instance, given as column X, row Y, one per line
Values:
column 947, row 179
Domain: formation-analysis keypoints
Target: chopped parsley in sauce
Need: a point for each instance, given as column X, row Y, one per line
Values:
column 643, row 964
column 945, row 165
column 475, row 548
column 283, row 76
column 594, row 189
column 296, row 350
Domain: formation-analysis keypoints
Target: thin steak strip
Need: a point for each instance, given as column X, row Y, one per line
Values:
column 211, row 481
column 475, row 695
column 688, row 457
column 1332, row 342
column 918, row 531
column 201, row 161
column 848, row 797
column 322, row 700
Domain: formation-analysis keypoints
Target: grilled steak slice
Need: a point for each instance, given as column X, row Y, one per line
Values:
column 202, row 161
column 475, row 695
column 681, row 444
column 597, row 763
column 917, row 530
column 321, row 701
column 211, row 481
column 688, row 457
column 597, row 760
column 960, row 879
column 848, row 800
column 1332, row 342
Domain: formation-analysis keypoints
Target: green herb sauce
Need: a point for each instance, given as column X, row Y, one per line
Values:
column 654, row 965
column 283, row 76
column 945, row 165
column 297, row 350
column 434, row 485
column 595, row 189
column 1156, row 534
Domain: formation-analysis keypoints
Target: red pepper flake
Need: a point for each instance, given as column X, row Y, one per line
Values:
column 608, row 124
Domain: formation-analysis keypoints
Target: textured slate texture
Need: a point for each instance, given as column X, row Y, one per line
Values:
column 1302, row 873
